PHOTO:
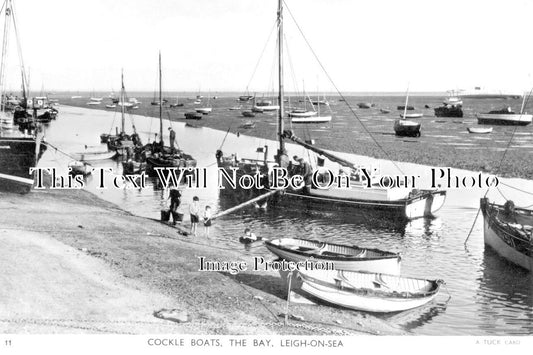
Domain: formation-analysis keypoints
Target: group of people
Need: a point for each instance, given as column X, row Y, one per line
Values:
column 194, row 211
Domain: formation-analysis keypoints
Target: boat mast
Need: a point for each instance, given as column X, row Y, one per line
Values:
column 123, row 98
column 280, row 94
column 523, row 103
column 160, row 104
column 406, row 101
column 7, row 22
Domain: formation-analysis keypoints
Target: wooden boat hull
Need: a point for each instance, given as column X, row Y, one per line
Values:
column 504, row 119
column 369, row 292
column 407, row 128
column 94, row 156
column 479, row 130
column 17, row 156
column 497, row 234
column 304, row 114
column 344, row 257
column 193, row 116
column 423, row 204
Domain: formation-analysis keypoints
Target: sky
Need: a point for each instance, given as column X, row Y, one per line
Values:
column 215, row 45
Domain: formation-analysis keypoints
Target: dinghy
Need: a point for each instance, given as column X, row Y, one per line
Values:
column 363, row 291
column 92, row 156
column 479, row 130
column 344, row 257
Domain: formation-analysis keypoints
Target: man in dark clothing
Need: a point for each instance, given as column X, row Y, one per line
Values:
column 175, row 201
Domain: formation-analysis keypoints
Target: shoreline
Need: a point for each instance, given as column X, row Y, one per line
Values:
column 136, row 266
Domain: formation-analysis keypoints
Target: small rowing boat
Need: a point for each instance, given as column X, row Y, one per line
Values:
column 344, row 257
column 479, row 130
column 92, row 156
column 363, row 291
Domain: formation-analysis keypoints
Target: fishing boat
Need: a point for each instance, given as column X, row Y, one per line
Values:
column 121, row 142
column 205, row 110
column 448, row 110
column 453, row 99
column 362, row 291
column 161, row 156
column 193, row 116
column 400, row 201
column 479, row 130
column 344, row 257
column 18, row 152
column 177, row 104
column 403, row 127
column 506, row 116
column 508, row 230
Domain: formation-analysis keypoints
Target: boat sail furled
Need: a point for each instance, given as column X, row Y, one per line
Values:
column 400, row 201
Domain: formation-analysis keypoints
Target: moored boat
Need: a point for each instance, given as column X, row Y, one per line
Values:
column 508, row 230
column 510, row 118
column 449, row 111
column 479, row 130
column 406, row 128
column 94, row 156
column 369, row 292
column 344, row 257
column 411, row 115
column 193, row 116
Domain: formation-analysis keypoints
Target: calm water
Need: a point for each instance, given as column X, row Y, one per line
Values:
column 488, row 295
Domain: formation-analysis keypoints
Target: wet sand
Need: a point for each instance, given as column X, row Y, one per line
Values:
column 444, row 141
column 73, row 263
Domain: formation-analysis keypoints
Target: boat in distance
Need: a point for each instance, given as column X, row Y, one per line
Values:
column 479, row 130
column 514, row 119
column 364, row 291
column 344, row 257
column 411, row 115
column 311, row 119
column 508, row 230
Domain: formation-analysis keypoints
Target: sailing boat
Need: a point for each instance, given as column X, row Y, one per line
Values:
column 177, row 104
column 18, row 153
column 401, row 202
column 405, row 128
column 121, row 142
column 207, row 109
column 314, row 118
column 161, row 156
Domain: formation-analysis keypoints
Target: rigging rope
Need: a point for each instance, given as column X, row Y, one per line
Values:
column 340, row 94
column 261, row 55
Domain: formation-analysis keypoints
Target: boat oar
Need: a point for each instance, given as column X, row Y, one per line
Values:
column 244, row 204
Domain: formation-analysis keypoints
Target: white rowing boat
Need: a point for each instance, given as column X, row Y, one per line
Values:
column 344, row 257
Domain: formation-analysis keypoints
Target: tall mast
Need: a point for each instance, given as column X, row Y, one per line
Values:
column 122, row 98
column 160, row 104
column 280, row 95
column 7, row 22
column 406, row 101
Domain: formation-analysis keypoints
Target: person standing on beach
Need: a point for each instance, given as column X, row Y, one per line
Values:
column 194, row 210
column 175, row 201
column 207, row 220
column 172, row 138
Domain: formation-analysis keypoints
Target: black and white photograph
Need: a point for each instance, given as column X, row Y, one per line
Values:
column 266, row 175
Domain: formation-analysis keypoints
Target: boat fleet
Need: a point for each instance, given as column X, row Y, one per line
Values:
column 365, row 279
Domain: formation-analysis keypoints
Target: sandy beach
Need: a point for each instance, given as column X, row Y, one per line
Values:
column 76, row 264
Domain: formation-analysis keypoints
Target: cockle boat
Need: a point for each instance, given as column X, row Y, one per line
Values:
column 506, row 116
column 157, row 155
column 344, row 257
column 370, row 292
column 508, row 230
column 400, row 201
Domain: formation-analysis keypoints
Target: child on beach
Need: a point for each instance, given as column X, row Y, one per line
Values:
column 207, row 220
column 194, row 210
column 248, row 237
